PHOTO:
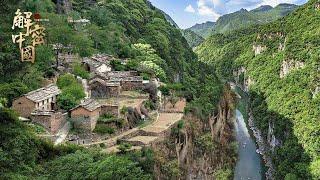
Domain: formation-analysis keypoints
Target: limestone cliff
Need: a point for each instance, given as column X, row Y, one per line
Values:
column 197, row 149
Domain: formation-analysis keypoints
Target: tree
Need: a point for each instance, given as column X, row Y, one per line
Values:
column 66, row 80
column 117, row 167
column 66, row 101
column 79, row 70
column 173, row 100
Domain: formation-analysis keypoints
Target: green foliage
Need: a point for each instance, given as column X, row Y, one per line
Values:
column 244, row 18
column 117, row 66
column 12, row 90
column 171, row 169
column 38, row 5
column 66, row 80
column 223, row 174
column 114, row 167
column 103, row 129
column 205, row 143
column 148, row 61
column 44, row 60
column 192, row 38
column 285, row 102
column 72, row 92
column 78, row 70
column 66, row 101
column 204, row 30
column 124, row 147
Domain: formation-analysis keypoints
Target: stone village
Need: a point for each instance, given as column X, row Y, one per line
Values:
column 118, row 95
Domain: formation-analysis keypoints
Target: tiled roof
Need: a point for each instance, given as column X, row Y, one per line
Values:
column 90, row 104
column 104, row 82
column 43, row 93
column 132, row 79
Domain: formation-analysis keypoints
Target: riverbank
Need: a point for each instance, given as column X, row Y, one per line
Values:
column 242, row 105
column 249, row 163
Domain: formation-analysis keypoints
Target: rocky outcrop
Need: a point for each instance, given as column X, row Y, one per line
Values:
column 263, row 148
column 198, row 148
column 316, row 92
column 282, row 46
column 271, row 138
column 258, row 49
column 288, row 66
column 242, row 80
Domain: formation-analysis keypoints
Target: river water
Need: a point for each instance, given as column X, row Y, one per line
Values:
column 249, row 164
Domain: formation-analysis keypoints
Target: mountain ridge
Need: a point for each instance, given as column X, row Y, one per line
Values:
column 243, row 18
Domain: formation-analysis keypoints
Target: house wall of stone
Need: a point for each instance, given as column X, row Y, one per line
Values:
column 98, row 90
column 47, row 104
column 23, row 106
column 110, row 109
column 113, row 91
column 51, row 122
column 102, row 91
column 84, row 119
column 131, row 85
column 58, row 120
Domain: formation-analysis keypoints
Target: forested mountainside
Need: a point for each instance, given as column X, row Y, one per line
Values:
column 130, row 29
column 278, row 64
column 192, row 38
column 244, row 18
column 204, row 30
column 170, row 20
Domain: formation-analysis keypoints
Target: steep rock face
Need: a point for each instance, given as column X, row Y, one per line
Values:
column 316, row 92
column 242, row 80
column 271, row 138
column 288, row 66
column 200, row 148
column 258, row 49
column 64, row 6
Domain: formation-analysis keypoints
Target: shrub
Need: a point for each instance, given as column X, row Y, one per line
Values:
column 124, row 147
column 78, row 70
column 103, row 129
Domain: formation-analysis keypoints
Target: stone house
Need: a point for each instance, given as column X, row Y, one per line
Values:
column 50, row 120
column 44, row 99
column 99, row 63
column 86, row 115
column 112, row 109
column 100, row 88
column 129, row 83
column 121, row 74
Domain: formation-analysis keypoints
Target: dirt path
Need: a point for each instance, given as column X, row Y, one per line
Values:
column 113, row 141
column 140, row 137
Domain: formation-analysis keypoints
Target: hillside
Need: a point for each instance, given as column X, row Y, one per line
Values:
column 133, row 31
column 244, row 18
column 204, row 29
column 192, row 38
column 169, row 19
column 278, row 64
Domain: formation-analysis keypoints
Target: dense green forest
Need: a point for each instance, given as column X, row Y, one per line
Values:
column 204, row 30
column 192, row 38
column 132, row 29
column 289, row 102
column 244, row 18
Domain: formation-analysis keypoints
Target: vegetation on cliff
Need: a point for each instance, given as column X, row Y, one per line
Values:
column 289, row 102
column 131, row 29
